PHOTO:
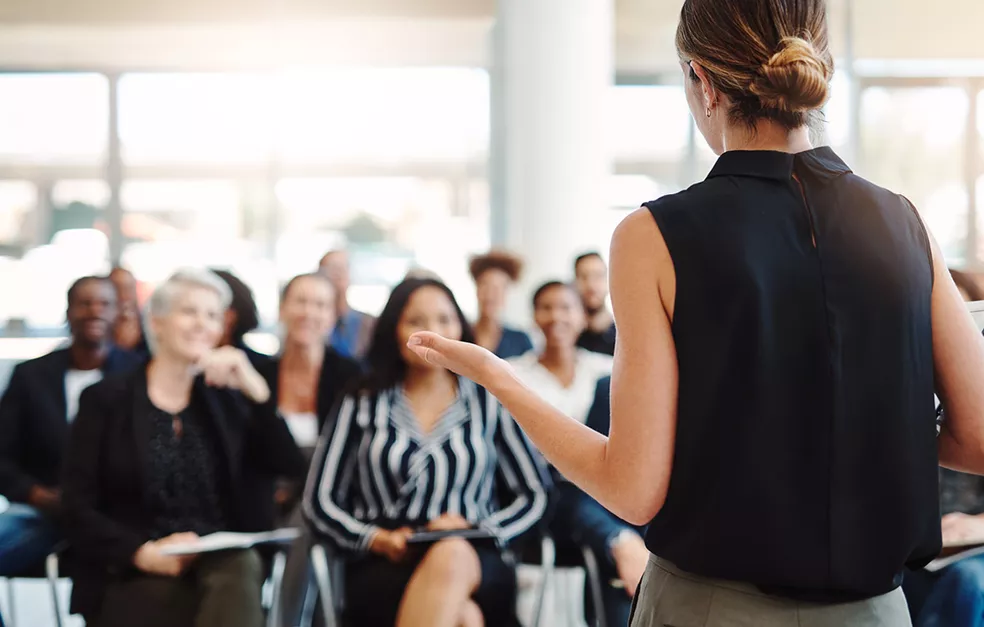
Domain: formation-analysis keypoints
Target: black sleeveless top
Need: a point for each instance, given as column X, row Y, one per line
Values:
column 805, row 459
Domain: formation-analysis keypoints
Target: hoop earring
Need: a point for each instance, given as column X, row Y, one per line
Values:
column 708, row 112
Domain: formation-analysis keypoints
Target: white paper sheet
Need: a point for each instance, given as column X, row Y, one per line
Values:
column 226, row 540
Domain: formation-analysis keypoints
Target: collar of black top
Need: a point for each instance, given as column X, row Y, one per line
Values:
column 777, row 165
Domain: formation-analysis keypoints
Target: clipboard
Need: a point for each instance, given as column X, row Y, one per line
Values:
column 422, row 538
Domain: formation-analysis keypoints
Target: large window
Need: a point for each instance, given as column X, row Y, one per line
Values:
column 211, row 118
column 382, row 115
column 53, row 118
column 259, row 173
column 913, row 142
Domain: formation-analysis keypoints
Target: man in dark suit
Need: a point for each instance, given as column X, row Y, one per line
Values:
column 35, row 412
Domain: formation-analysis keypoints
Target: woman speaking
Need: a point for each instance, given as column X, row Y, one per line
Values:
column 780, row 326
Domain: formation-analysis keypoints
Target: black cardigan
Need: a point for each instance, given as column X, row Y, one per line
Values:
column 337, row 374
column 104, row 473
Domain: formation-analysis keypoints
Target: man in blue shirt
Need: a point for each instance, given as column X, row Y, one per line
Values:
column 353, row 329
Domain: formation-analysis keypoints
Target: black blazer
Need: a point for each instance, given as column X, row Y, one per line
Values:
column 104, row 475
column 337, row 373
column 33, row 425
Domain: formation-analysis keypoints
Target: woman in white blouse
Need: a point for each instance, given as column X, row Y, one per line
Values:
column 568, row 377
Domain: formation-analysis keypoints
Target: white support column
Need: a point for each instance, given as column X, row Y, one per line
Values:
column 553, row 73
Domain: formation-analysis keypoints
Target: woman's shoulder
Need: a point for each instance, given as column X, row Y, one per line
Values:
column 115, row 384
column 339, row 364
column 526, row 364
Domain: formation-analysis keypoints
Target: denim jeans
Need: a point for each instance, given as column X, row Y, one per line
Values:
column 26, row 537
column 955, row 597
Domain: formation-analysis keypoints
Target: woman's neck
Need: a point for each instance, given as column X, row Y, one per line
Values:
column 169, row 382
column 561, row 362
column 767, row 135
column 558, row 356
column 487, row 323
column 302, row 356
column 421, row 378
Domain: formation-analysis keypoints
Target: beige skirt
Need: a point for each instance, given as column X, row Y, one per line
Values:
column 669, row 597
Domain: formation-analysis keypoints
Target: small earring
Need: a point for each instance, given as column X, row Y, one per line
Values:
column 708, row 112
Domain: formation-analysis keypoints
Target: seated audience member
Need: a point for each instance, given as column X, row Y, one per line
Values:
column 308, row 377
column 591, row 278
column 353, row 329
column 305, row 381
column 568, row 378
column 494, row 273
column 41, row 400
column 419, row 448
column 128, row 333
column 160, row 456
column 241, row 317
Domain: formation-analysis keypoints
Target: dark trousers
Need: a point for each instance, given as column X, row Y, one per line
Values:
column 221, row 590
column 580, row 518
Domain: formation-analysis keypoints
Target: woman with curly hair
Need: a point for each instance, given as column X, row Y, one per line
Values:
column 494, row 273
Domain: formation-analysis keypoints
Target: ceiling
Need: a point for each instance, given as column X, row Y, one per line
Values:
column 102, row 12
column 188, row 34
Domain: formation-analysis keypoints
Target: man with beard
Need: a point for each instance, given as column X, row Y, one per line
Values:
column 36, row 410
column 591, row 279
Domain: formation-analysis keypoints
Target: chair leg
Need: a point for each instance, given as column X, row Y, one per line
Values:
column 548, row 559
column 310, row 604
column 594, row 582
column 319, row 562
column 11, row 610
column 51, row 570
column 276, row 587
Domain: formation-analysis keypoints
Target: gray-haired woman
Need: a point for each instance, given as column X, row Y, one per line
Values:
column 177, row 450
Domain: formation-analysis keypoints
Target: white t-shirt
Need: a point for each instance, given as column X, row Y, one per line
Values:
column 303, row 426
column 575, row 400
column 75, row 382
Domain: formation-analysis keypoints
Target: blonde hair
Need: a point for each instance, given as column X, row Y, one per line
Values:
column 770, row 57
column 162, row 300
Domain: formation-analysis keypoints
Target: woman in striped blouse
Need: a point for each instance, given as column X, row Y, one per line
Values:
column 419, row 448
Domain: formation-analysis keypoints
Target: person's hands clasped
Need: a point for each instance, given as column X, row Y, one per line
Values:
column 448, row 522
column 228, row 367
column 391, row 544
column 468, row 360
column 962, row 528
column 150, row 559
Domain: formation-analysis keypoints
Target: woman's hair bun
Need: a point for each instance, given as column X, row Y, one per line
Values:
column 795, row 79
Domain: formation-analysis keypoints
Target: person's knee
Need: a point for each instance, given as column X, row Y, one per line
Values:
column 454, row 562
column 235, row 568
column 964, row 575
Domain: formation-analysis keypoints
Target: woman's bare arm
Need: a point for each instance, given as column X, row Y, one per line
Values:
column 627, row 472
column 958, row 358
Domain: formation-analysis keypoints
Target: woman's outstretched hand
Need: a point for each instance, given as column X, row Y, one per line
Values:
column 469, row 360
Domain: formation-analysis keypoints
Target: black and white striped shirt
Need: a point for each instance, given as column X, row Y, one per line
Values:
column 376, row 469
